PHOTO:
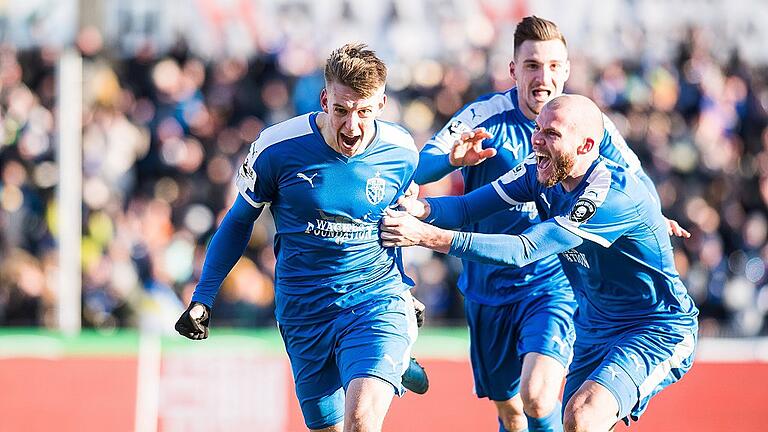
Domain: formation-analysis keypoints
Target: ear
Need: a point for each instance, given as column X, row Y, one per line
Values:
column 382, row 102
column 567, row 69
column 586, row 146
column 512, row 70
column 324, row 100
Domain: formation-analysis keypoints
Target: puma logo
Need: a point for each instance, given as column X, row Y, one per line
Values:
column 309, row 179
column 390, row 360
column 560, row 343
column 613, row 372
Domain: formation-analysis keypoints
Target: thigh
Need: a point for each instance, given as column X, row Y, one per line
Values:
column 592, row 408
column 496, row 363
column 367, row 402
column 546, row 326
column 586, row 359
column 375, row 340
column 633, row 366
column 317, row 380
column 646, row 361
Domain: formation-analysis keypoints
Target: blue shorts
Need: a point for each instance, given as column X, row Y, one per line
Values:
column 372, row 339
column 501, row 335
column 633, row 366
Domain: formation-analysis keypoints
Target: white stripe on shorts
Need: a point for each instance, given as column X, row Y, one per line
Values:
column 682, row 351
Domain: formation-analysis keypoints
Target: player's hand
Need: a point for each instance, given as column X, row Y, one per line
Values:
column 421, row 310
column 468, row 149
column 399, row 228
column 412, row 191
column 413, row 206
column 674, row 228
column 410, row 202
column 193, row 323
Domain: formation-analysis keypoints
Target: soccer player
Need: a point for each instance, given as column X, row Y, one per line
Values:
column 520, row 319
column 635, row 323
column 342, row 300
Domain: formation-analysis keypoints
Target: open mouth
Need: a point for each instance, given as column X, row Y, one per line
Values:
column 541, row 95
column 543, row 162
column 349, row 143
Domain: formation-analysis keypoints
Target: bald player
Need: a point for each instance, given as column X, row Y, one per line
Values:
column 635, row 323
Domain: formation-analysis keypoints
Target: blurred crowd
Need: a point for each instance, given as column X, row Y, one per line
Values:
column 165, row 130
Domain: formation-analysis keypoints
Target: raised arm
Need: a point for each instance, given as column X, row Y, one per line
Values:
column 466, row 150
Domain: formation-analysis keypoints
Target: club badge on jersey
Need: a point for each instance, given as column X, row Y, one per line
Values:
column 375, row 188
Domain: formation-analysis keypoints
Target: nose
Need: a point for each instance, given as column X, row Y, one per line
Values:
column 546, row 74
column 352, row 122
column 537, row 140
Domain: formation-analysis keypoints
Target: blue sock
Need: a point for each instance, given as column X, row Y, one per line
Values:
column 501, row 427
column 552, row 422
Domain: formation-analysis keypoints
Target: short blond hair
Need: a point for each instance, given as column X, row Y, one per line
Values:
column 357, row 67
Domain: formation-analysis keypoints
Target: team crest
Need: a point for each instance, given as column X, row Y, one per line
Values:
column 582, row 210
column 374, row 189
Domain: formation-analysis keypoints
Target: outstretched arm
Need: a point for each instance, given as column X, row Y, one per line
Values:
column 455, row 211
column 537, row 242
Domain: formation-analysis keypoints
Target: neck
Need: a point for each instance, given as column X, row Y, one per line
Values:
column 578, row 172
column 530, row 115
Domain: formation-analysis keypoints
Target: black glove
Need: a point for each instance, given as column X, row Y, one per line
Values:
column 420, row 311
column 193, row 323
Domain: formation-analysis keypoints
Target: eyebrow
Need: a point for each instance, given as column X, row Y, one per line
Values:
column 541, row 62
column 551, row 130
column 369, row 106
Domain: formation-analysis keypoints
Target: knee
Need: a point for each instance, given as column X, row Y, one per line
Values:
column 362, row 421
column 578, row 419
column 539, row 402
column 538, row 406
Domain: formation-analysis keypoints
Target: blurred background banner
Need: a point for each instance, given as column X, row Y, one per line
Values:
column 122, row 125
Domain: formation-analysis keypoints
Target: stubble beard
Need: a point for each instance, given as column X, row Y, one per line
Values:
column 562, row 166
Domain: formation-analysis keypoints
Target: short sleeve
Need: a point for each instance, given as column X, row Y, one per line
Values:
column 518, row 185
column 254, row 180
column 601, row 213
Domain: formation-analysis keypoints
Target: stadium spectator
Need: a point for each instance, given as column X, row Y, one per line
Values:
column 693, row 107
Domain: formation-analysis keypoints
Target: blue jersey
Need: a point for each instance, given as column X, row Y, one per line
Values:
column 623, row 273
column 326, row 208
column 501, row 116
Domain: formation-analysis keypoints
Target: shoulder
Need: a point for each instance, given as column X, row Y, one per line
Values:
column 400, row 139
column 482, row 110
column 396, row 135
column 611, row 187
column 285, row 131
column 615, row 147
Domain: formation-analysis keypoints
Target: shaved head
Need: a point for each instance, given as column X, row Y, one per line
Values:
column 580, row 113
column 567, row 139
